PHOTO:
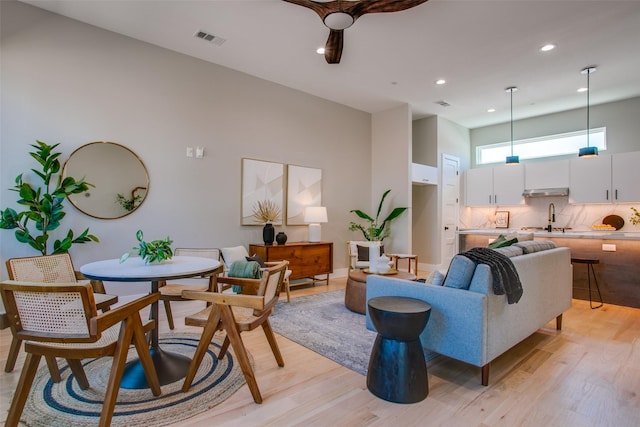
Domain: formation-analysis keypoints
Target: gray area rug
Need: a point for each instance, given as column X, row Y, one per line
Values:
column 323, row 324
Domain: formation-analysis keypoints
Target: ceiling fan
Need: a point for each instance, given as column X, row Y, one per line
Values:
column 338, row 15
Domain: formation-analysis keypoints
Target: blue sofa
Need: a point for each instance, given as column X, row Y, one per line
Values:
column 474, row 325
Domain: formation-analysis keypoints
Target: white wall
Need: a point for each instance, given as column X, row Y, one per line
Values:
column 68, row 82
column 391, row 169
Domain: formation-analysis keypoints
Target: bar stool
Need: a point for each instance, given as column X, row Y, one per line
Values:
column 590, row 271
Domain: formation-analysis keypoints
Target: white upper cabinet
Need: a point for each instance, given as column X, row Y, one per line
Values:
column 423, row 174
column 548, row 174
column 605, row 179
column 500, row 185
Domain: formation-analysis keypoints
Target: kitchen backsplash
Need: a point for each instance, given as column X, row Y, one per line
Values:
column 535, row 214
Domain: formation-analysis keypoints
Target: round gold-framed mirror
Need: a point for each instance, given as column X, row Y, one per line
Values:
column 120, row 178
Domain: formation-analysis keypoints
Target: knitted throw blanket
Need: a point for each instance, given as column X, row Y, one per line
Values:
column 245, row 270
column 505, row 276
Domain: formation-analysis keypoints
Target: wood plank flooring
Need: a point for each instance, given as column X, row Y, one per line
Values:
column 586, row 375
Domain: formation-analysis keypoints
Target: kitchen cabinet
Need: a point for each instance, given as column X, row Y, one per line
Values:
column 605, row 179
column 547, row 174
column 423, row 174
column 500, row 185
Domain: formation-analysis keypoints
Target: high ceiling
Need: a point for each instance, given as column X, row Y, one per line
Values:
column 479, row 47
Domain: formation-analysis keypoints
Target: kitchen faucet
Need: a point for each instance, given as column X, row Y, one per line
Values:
column 552, row 216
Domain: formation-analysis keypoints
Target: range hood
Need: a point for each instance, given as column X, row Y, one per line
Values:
column 546, row 192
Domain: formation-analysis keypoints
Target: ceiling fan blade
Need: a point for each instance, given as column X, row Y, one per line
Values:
column 333, row 48
column 379, row 6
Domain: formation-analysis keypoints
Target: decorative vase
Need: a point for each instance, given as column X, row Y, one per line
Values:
column 374, row 254
column 268, row 234
column 281, row 238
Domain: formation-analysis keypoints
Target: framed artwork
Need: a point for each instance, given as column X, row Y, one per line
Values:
column 261, row 182
column 304, row 188
column 502, row 219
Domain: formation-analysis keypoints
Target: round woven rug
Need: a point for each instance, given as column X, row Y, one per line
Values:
column 65, row 404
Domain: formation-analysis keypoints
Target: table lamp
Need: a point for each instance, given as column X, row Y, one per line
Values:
column 314, row 215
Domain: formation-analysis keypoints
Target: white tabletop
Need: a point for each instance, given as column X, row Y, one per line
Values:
column 135, row 270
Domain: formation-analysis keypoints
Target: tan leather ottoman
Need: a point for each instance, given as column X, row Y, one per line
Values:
column 355, row 294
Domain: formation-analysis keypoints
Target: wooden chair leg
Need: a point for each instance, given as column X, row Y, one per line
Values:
column 266, row 327
column 117, row 369
column 240, row 351
column 54, row 371
column 288, row 289
column 213, row 323
column 14, row 349
column 78, row 372
column 22, row 389
column 559, row 322
column 224, row 348
column 485, row 374
column 140, row 341
column 167, row 310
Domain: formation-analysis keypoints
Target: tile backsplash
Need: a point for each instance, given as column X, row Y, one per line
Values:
column 535, row 214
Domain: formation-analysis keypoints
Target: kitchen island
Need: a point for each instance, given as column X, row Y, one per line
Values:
column 618, row 272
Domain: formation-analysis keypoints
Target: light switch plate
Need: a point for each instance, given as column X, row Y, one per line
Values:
column 189, row 151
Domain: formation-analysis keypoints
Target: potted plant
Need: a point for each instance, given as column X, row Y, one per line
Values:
column 266, row 212
column 44, row 204
column 153, row 251
column 376, row 230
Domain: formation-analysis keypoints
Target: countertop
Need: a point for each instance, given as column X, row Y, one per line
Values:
column 567, row 234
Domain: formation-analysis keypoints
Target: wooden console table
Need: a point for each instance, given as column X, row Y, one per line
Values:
column 306, row 260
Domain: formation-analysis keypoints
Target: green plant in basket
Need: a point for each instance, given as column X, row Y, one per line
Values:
column 153, row 251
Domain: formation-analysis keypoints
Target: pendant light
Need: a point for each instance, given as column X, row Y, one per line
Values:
column 588, row 151
column 512, row 160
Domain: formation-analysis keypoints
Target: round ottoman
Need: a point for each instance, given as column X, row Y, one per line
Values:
column 355, row 294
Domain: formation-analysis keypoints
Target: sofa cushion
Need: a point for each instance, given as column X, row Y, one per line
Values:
column 531, row 246
column 510, row 251
column 363, row 252
column 460, row 272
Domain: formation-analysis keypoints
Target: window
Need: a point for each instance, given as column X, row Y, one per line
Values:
column 544, row 146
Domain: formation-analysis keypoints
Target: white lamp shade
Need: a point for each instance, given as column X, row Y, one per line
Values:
column 315, row 214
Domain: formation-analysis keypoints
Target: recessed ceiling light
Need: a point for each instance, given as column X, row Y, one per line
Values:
column 582, row 89
column 440, row 81
column 320, row 50
column 491, row 110
column 547, row 47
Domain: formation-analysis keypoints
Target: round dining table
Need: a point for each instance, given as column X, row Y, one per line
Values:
column 170, row 366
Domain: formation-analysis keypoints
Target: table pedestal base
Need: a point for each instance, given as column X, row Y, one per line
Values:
column 171, row 367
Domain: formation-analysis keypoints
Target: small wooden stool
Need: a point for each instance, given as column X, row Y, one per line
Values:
column 590, row 271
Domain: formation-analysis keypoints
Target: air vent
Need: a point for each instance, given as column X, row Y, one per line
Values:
column 443, row 103
column 218, row 41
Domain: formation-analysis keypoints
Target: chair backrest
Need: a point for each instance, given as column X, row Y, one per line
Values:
column 56, row 268
column 213, row 253
column 234, row 253
column 59, row 312
column 271, row 288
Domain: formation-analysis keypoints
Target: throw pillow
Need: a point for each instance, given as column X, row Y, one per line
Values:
column 435, row 278
column 525, row 236
column 510, row 251
column 501, row 242
column 460, row 272
column 256, row 258
column 235, row 253
column 531, row 246
column 363, row 252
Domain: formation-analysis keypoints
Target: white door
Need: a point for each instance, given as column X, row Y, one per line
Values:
column 450, row 208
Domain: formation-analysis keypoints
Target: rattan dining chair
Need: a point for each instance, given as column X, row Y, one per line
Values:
column 61, row 320
column 173, row 291
column 56, row 268
column 236, row 314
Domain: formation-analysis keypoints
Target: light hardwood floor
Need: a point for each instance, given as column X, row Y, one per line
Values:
column 586, row 375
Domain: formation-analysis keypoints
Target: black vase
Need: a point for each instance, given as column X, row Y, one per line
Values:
column 281, row 238
column 268, row 234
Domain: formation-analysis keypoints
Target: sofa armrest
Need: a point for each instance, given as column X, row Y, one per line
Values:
column 457, row 327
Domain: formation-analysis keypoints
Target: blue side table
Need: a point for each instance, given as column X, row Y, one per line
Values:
column 397, row 368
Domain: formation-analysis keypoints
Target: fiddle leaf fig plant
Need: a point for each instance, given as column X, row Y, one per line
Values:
column 44, row 209
column 376, row 230
column 153, row 251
